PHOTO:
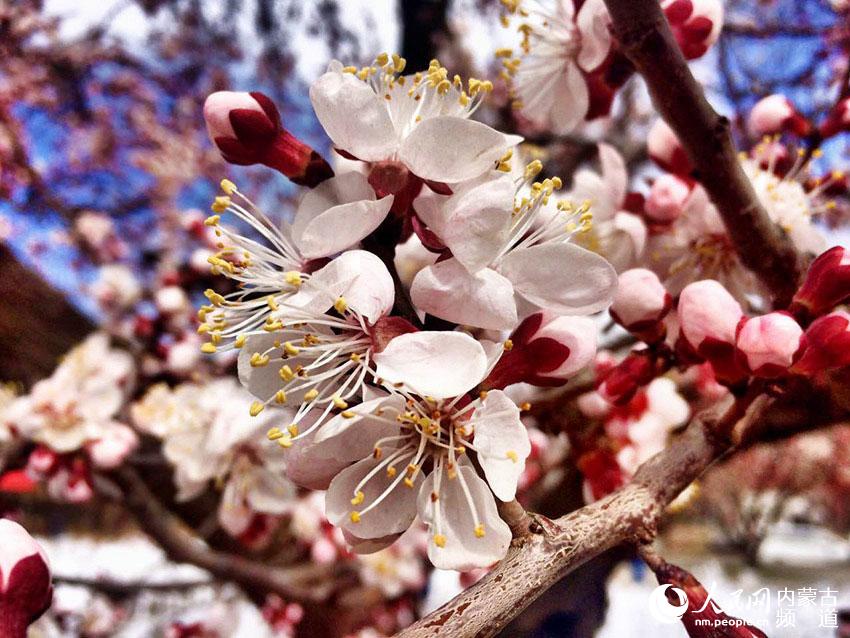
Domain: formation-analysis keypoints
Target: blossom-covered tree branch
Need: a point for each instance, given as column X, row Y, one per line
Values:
column 648, row 41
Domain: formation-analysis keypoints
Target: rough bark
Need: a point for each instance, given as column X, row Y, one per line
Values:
column 557, row 547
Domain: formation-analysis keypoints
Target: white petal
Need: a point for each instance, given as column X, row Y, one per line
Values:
column 437, row 364
column 354, row 116
column 571, row 100
column 392, row 515
column 452, row 149
column 484, row 299
column 356, row 275
column 614, row 173
column 562, row 278
column 269, row 493
column 340, row 442
column 336, row 214
column 473, row 223
column 368, row 545
column 463, row 548
column 501, row 441
column 593, row 22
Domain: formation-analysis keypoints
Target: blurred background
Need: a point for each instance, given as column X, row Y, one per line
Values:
column 106, row 174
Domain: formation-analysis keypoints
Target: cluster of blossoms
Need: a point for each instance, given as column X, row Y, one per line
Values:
column 72, row 416
column 395, row 419
column 567, row 66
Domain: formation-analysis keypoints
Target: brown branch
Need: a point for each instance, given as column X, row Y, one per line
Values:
column 181, row 545
column 555, row 548
column 647, row 41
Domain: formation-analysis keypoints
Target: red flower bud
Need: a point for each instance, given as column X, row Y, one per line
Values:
column 702, row 617
column 838, row 119
column 545, row 350
column 827, row 344
column 696, row 24
column 247, row 130
column 621, row 383
column 25, row 587
column 826, row 285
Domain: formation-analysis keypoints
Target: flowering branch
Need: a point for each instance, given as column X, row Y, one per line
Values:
column 647, row 40
column 554, row 548
column 181, row 545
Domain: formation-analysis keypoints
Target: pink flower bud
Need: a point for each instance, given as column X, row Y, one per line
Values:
column 709, row 318
column 667, row 198
column 665, row 149
column 110, row 450
column 775, row 114
column 696, row 24
column 826, row 285
column 769, row 343
column 641, row 301
column 25, row 587
column 827, row 344
column 545, row 350
column 246, row 128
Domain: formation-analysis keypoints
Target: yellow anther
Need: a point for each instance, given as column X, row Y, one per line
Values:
column 355, row 357
column 215, row 298
column 348, row 414
column 239, row 341
column 285, row 441
column 382, row 59
column 479, row 530
column 274, row 434
column 280, row 397
column 204, row 328
column 391, row 471
column 504, row 52
column 220, row 204
column 286, row 373
column 512, row 456
column 408, row 482
column 355, row 517
column 259, row 360
column 339, row 403
column 508, row 345
column 340, row 305
column 399, row 63
column 289, row 349
column 208, row 348
column 439, row 540
column 312, row 394
column 525, row 407
column 358, row 498
column 349, row 69
column 212, row 220
column 533, row 169
column 293, row 278
column 292, row 428
column 228, row 187
column 272, row 302
column 256, row 408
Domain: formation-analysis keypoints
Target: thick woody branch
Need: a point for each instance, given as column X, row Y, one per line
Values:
column 554, row 548
column 646, row 39
column 181, row 545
